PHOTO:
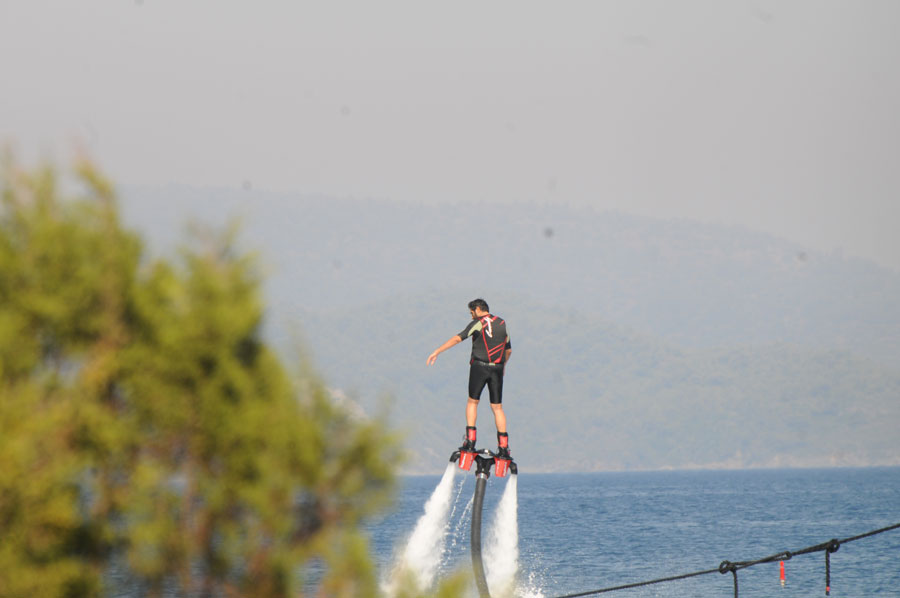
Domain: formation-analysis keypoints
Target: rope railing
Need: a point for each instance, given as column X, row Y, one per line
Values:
column 733, row 567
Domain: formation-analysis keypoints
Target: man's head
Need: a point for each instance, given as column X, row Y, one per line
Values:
column 479, row 307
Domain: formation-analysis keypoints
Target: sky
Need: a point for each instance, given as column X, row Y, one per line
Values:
column 782, row 117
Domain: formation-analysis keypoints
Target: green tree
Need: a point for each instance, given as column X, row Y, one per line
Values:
column 143, row 420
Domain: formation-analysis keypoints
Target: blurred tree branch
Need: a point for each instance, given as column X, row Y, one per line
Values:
column 143, row 419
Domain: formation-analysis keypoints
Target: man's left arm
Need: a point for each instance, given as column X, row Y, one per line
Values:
column 453, row 340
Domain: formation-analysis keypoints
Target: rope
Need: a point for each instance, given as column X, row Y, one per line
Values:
column 639, row 584
column 734, row 566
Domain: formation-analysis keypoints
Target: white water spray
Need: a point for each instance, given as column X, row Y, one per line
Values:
column 420, row 559
column 502, row 547
column 458, row 537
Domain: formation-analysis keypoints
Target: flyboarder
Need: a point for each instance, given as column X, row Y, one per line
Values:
column 491, row 349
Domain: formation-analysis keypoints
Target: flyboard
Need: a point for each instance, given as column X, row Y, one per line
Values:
column 483, row 460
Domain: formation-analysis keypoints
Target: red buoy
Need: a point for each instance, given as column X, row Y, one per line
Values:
column 781, row 566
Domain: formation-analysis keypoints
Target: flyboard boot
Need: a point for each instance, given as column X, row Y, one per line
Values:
column 502, row 458
column 467, row 451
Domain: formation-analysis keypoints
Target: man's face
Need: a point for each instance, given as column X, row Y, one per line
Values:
column 472, row 313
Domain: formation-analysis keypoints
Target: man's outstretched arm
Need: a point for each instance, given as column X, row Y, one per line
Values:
column 453, row 340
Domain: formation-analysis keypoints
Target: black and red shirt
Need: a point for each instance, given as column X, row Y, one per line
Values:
column 490, row 340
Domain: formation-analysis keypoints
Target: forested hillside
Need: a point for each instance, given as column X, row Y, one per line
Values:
column 696, row 285
column 582, row 394
column 638, row 343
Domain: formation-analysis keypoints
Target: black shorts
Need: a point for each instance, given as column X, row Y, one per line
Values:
column 481, row 374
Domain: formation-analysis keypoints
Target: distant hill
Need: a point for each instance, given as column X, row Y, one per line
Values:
column 695, row 285
column 582, row 394
column 638, row 343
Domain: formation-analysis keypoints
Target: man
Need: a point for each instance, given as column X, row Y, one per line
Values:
column 490, row 352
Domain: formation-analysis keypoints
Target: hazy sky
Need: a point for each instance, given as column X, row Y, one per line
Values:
column 780, row 116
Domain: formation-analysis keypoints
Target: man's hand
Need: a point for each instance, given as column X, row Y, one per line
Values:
column 453, row 340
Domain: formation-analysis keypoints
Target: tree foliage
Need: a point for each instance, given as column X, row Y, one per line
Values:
column 147, row 429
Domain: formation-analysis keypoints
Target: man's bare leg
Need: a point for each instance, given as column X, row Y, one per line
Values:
column 471, row 416
column 471, row 412
column 499, row 417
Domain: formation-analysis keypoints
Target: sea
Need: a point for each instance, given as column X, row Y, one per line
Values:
column 578, row 533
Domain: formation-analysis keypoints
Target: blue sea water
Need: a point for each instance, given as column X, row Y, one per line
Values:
column 582, row 532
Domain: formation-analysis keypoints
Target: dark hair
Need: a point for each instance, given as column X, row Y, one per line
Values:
column 480, row 303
